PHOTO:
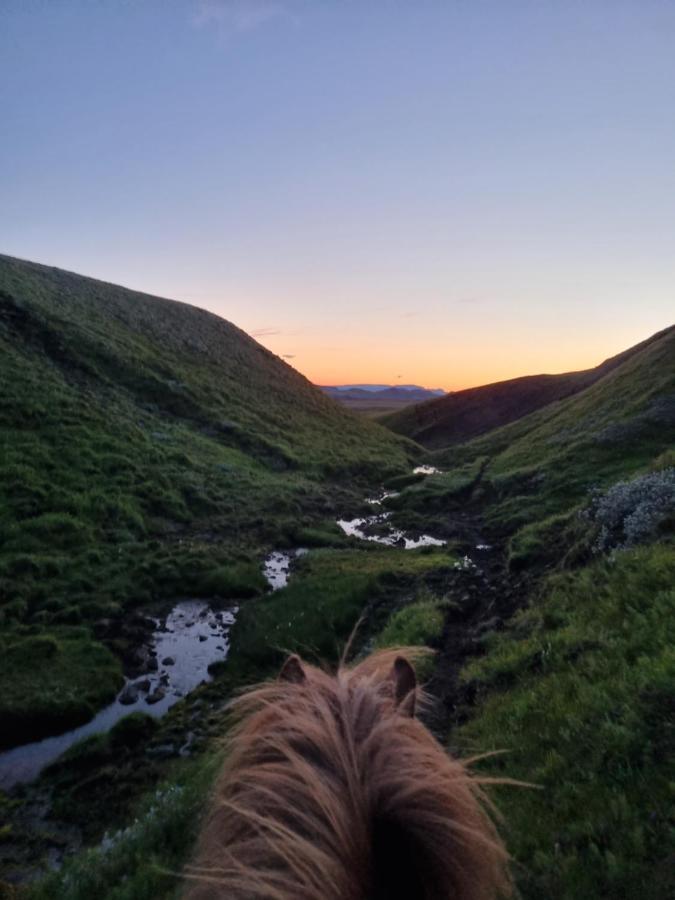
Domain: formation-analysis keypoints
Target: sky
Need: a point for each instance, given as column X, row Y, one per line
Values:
column 441, row 193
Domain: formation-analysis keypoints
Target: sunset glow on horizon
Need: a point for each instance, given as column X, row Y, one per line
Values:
column 450, row 195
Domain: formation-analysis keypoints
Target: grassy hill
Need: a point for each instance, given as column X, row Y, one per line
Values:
column 464, row 415
column 577, row 685
column 530, row 473
column 149, row 450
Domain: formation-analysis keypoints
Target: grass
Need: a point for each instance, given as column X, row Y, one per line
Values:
column 315, row 614
column 47, row 681
column 579, row 690
column 142, row 861
column 418, row 625
column 150, row 450
column 414, row 625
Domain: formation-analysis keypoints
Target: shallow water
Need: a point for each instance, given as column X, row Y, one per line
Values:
column 394, row 537
column 379, row 500
column 186, row 642
column 277, row 565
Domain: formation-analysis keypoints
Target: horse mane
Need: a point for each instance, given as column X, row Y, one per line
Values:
column 332, row 790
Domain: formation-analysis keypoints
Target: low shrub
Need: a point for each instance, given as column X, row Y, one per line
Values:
column 632, row 512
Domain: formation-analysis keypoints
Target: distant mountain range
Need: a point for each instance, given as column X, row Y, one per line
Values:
column 406, row 393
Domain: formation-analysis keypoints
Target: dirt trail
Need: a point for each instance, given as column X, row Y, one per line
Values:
column 486, row 595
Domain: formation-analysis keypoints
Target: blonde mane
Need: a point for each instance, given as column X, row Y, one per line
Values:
column 332, row 790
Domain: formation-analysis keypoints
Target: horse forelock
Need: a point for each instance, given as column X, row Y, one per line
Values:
column 331, row 792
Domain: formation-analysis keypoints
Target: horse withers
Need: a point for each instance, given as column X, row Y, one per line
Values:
column 333, row 790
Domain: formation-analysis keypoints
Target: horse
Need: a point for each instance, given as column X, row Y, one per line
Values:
column 334, row 790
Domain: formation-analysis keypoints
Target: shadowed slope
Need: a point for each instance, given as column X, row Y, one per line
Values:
column 467, row 414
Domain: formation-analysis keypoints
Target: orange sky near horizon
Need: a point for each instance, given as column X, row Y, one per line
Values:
column 448, row 195
column 433, row 362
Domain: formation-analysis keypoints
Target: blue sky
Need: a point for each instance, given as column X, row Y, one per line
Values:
column 449, row 192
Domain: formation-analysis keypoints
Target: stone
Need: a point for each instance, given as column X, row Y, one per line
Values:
column 129, row 695
column 158, row 694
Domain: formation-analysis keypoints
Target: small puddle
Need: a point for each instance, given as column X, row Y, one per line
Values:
column 379, row 500
column 359, row 528
column 186, row 642
column 375, row 528
column 277, row 566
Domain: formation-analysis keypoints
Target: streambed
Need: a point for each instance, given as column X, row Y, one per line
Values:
column 185, row 643
column 376, row 527
column 277, row 566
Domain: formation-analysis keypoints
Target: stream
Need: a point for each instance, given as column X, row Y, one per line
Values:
column 277, row 566
column 186, row 642
column 393, row 537
column 376, row 527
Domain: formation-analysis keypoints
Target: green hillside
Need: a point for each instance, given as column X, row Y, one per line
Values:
column 464, row 415
column 149, row 450
column 529, row 473
column 152, row 451
column 568, row 665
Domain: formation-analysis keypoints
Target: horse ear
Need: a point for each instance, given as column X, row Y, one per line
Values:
column 292, row 670
column 405, row 682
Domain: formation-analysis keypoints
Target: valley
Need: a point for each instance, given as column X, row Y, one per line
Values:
column 180, row 510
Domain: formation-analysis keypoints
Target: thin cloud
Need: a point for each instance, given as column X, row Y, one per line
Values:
column 288, row 355
column 243, row 15
column 265, row 332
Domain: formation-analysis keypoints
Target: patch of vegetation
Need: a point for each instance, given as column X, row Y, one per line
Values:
column 47, row 681
column 323, row 535
column 440, row 492
column 142, row 861
column 243, row 580
column 418, row 625
column 579, row 689
column 632, row 512
column 544, row 543
column 317, row 611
